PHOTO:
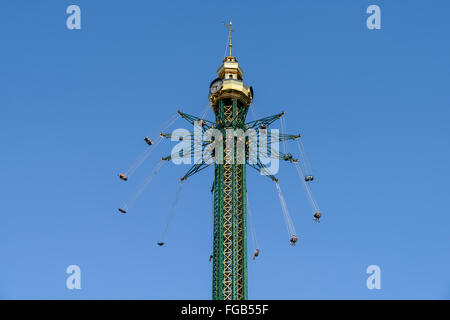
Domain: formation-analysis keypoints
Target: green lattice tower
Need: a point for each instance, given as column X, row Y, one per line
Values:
column 230, row 210
column 230, row 99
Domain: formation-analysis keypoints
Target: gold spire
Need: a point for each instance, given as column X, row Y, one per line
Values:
column 229, row 34
column 230, row 79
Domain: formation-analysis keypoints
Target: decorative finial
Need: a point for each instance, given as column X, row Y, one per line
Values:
column 229, row 34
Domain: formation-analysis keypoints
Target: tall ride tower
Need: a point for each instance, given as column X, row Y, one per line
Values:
column 230, row 99
column 231, row 144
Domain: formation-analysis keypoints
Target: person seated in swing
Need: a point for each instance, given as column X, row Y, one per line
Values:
column 255, row 254
column 293, row 240
column 149, row 142
column 317, row 216
column 288, row 157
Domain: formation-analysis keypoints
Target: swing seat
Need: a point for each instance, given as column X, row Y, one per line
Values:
column 121, row 210
column 123, row 177
column 288, row 157
column 293, row 240
column 160, row 243
column 309, row 178
column 317, row 216
column 149, row 142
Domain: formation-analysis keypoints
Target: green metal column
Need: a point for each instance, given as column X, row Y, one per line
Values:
column 230, row 212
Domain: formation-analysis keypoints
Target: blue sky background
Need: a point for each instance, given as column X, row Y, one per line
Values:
column 373, row 108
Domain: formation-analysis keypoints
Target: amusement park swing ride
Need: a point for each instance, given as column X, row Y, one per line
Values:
column 230, row 99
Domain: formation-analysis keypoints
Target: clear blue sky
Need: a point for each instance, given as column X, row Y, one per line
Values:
column 373, row 108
